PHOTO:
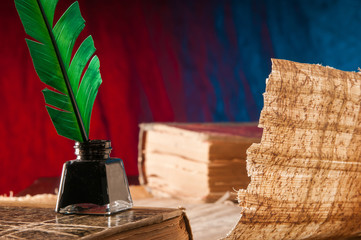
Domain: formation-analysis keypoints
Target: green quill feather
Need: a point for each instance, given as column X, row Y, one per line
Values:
column 69, row 103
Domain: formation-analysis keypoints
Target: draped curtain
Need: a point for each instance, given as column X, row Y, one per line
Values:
column 165, row 61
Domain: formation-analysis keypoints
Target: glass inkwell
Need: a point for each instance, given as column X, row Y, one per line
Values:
column 93, row 183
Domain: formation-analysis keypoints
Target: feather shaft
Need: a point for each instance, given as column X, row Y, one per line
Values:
column 65, row 75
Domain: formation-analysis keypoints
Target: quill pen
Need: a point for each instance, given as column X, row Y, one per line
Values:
column 68, row 103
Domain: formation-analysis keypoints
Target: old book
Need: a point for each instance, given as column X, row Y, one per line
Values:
column 306, row 171
column 137, row 223
column 174, row 156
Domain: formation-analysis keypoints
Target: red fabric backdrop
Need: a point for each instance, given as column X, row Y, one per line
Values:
column 159, row 62
column 30, row 147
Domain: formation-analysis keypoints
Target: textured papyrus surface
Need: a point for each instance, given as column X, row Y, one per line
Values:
column 306, row 172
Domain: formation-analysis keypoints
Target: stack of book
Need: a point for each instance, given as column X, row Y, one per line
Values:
column 195, row 161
